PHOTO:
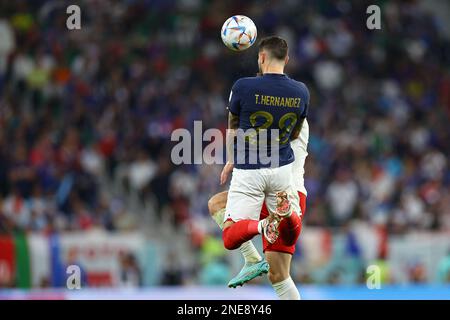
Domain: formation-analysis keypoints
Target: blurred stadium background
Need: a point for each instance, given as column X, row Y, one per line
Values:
column 85, row 124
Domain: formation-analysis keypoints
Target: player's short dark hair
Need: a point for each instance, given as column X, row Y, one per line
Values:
column 276, row 46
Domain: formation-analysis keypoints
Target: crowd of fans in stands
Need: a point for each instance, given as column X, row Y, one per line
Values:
column 77, row 106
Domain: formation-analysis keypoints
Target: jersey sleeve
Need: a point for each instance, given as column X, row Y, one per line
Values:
column 234, row 101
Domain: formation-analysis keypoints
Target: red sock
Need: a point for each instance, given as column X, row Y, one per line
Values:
column 238, row 233
column 290, row 229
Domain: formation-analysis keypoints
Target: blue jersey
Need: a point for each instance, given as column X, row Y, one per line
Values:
column 270, row 101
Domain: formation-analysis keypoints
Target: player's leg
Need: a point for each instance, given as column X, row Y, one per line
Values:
column 279, row 257
column 279, row 275
column 291, row 218
column 235, row 233
column 254, row 264
column 291, row 227
column 282, row 200
column 282, row 244
column 244, row 202
column 216, row 206
column 280, row 271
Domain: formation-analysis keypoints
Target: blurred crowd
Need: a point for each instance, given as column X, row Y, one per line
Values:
column 81, row 107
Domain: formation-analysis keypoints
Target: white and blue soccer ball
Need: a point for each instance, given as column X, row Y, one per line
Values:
column 238, row 33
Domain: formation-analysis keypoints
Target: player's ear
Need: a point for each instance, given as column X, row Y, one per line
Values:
column 286, row 60
column 262, row 57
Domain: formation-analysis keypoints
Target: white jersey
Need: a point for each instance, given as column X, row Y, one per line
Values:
column 300, row 148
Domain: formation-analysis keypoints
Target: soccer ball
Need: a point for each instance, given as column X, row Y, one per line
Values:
column 238, row 33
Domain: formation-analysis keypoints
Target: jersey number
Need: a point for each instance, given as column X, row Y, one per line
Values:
column 286, row 124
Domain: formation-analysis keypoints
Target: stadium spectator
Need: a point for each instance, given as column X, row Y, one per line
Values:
column 86, row 116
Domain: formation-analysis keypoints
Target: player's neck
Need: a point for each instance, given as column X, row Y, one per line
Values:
column 274, row 69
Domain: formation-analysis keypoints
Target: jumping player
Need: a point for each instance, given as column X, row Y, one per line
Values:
column 275, row 103
column 254, row 265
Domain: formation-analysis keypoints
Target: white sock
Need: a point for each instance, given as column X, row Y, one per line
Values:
column 286, row 290
column 218, row 217
column 247, row 249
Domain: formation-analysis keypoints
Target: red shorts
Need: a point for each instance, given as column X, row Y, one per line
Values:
column 278, row 246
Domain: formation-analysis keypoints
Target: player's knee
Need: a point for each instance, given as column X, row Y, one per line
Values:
column 217, row 202
column 228, row 241
column 212, row 205
column 229, row 245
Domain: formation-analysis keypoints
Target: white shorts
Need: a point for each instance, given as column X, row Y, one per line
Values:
column 250, row 188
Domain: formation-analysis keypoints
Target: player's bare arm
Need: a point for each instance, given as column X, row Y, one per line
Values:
column 233, row 124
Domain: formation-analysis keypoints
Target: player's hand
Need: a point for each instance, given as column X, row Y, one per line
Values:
column 226, row 172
